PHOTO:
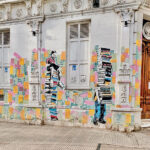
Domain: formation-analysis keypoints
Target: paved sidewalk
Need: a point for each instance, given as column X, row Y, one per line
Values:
column 30, row 137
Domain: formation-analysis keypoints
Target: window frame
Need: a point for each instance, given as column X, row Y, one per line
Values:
column 3, row 64
column 88, row 62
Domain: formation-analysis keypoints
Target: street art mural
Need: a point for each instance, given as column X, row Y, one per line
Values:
column 102, row 94
column 74, row 106
column 51, row 83
column 15, row 99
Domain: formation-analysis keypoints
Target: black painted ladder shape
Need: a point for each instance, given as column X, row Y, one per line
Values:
column 98, row 147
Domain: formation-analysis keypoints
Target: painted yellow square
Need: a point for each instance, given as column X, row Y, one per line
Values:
column 138, row 43
column 123, row 58
column 59, row 95
column 94, row 58
column 113, row 80
column 67, row 103
column 139, row 63
column 130, row 99
column 43, row 75
column 137, row 100
column 11, row 110
column 133, row 71
column 26, row 85
column 43, row 63
column 63, row 71
column 127, row 50
column 91, row 112
column 128, row 118
column 9, row 98
column 108, row 120
column 26, row 97
column 20, row 99
column 75, row 94
column 46, row 54
column 35, row 56
column 63, row 56
column 21, row 61
column 92, row 78
column 89, row 94
column 15, row 89
column 1, row 109
column 38, row 113
column 67, row 113
column 113, row 60
column 11, row 70
column 84, row 119
column 42, row 86
column 43, row 97
column 22, row 114
column 1, row 92
column 137, row 85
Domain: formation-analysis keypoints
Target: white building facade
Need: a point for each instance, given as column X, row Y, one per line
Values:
column 56, row 54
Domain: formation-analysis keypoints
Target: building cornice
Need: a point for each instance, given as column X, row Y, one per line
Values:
column 117, row 7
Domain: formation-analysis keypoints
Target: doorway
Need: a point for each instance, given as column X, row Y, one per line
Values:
column 145, row 79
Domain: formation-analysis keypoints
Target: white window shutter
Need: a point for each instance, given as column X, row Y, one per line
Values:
column 78, row 56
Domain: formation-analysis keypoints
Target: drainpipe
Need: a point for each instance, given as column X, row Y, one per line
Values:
column 39, row 47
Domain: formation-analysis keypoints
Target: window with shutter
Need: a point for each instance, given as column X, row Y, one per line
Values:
column 78, row 55
column 4, row 58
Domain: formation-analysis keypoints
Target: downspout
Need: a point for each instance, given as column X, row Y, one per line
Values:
column 39, row 47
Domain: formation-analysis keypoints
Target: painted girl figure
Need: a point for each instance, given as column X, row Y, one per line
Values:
column 52, row 82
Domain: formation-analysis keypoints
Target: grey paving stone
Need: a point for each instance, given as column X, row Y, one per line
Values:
column 24, row 137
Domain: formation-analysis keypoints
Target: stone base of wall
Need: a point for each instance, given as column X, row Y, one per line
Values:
column 74, row 124
column 126, row 119
column 52, row 123
column 29, row 122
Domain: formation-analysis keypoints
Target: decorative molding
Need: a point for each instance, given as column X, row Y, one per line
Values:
column 126, row 14
column 124, row 74
column 39, row 7
column 19, row 13
column 34, row 24
column 34, row 96
column 77, row 4
column 1, row 15
column 53, row 7
column 105, row 2
column 146, row 30
column 8, row 11
column 28, row 7
column 121, row 1
column 65, row 6
column 90, row 4
column 146, row 3
column 124, row 79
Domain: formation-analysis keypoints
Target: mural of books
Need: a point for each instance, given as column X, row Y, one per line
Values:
column 104, row 70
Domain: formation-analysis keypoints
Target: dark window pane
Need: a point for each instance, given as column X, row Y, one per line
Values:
column 95, row 3
column 74, row 31
column 84, row 30
column 6, row 38
column 1, row 97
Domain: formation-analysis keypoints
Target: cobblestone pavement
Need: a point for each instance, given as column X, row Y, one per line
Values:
column 29, row 137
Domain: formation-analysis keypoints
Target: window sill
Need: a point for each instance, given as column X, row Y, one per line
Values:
column 78, row 88
column 5, row 87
